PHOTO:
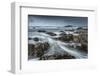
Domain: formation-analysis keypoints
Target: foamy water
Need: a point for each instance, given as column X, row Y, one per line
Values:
column 56, row 46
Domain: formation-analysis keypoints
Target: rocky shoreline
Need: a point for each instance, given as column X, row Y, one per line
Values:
column 79, row 38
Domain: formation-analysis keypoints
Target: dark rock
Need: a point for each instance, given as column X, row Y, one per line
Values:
column 29, row 38
column 51, row 33
column 84, row 47
column 63, row 33
column 67, row 56
column 36, row 39
column 66, row 37
column 41, row 48
column 57, row 56
column 79, row 28
column 30, row 49
column 76, row 39
column 83, row 39
column 68, row 26
column 38, row 49
column 41, row 31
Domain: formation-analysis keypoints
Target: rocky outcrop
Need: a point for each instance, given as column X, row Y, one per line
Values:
column 38, row 49
column 83, row 38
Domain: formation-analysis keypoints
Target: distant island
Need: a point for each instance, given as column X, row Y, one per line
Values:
column 68, row 26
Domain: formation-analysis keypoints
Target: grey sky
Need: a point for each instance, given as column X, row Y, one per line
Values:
column 38, row 20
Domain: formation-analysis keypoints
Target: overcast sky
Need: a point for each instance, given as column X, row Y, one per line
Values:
column 37, row 20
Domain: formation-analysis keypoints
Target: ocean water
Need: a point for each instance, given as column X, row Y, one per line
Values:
column 56, row 46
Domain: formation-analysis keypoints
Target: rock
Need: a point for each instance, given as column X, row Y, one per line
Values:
column 41, row 31
column 79, row 28
column 84, row 47
column 66, row 37
column 36, row 39
column 68, row 26
column 63, row 33
column 30, row 49
column 83, row 38
column 76, row 39
column 29, row 38
column 41, row 48
column 57, row 56
column 67, row 56
column 38, row 49
column 51, row 33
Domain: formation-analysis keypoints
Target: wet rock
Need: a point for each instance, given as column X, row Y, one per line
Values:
column 68, row 26
column 67, row 56
column 76, row 39
column 79, row 28
column 84, row 47
column 41, row 31
column 41, row 48
column 57, row 56
column 83, row 38
column 30, row 49
column 51, row 33
column 66, row 37
column 38, row 49
column 36, row 39
column 63, row 33
column 29, row 38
